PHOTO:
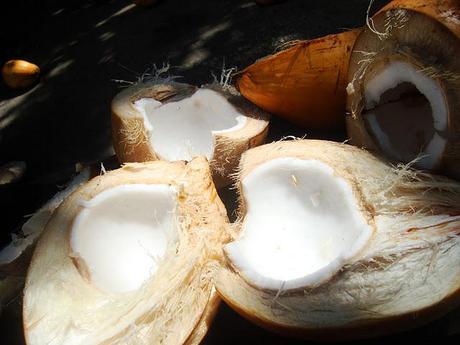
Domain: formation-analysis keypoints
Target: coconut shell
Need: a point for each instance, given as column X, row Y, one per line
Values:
column 62, row 306
column 304, row 84
column 406, row 275
column 19, row 74
column 131, row 140
column 426, row 35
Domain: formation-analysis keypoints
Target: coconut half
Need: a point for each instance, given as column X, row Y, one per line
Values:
column 335, row 244
column 126, row 259
column 173, row 121
column 403, row 85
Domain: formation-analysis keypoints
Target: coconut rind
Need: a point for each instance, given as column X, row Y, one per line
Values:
column 305, row 83
column 167, row 308
column 205, row 322
column 360, row 330
column 399, row 32
column 19, row 74
column 131, row 142
column 409, row 268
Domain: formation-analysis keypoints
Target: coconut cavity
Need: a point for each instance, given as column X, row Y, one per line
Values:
column 406, row 113
column 302, row 223
column 120, row 236
column 185, row 129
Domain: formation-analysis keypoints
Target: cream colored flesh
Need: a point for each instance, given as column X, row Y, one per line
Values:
column 122, row 234
column 411, row 136
column 302, row 223
column 186, row 129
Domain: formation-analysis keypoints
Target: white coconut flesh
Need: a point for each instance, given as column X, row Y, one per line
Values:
column 302, row 223
column 406, row 112
column 185, row 129
column 122, row 234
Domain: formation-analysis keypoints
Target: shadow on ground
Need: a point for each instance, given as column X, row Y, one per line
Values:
column 82, row 47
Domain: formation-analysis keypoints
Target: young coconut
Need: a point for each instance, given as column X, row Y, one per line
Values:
column 404, row 85
column 304, row 84
column 173, row 121
column 341, row 245
column 19, row 74
column 125, row 259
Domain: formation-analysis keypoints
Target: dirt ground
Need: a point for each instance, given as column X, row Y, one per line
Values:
column 85, row 48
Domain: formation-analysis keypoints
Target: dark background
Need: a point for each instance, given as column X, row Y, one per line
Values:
column 82, row 47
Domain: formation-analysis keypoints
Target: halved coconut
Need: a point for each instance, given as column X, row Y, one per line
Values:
column 403, row 86
column 173, row 121
column 336, row 244
column 126, row 259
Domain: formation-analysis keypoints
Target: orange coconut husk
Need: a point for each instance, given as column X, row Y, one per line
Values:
column 304, row 84
column 18, row 74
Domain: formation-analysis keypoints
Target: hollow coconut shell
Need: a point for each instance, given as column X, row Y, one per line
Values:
column 425, row 35
column 132, row 139
column 407, row 274
column 19, row 74
column 305, row 83
column 174, row 306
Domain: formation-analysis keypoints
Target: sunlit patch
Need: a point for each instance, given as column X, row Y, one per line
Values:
column 60, row 68
column 116, row 14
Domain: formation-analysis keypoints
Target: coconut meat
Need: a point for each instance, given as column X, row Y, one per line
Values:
column 406, row 111
column 185, row 129
column 120, row 236
column 302, row 224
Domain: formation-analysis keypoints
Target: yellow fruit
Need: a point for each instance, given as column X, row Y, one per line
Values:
column 19, row 74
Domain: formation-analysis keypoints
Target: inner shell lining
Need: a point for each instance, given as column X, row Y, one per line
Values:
column 185, row 129
column 395, row 74
column 302, row 224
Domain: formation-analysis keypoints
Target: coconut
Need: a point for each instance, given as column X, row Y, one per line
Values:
column 125, row 259
column 19, row 74
column 333, row 243
column 173, row 121
column 403, row 85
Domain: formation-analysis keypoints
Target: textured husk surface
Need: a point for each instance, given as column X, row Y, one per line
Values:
column 305, row 83
column 425, row 34
column 61, row 306
column 407, row 274
column 131, row 140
